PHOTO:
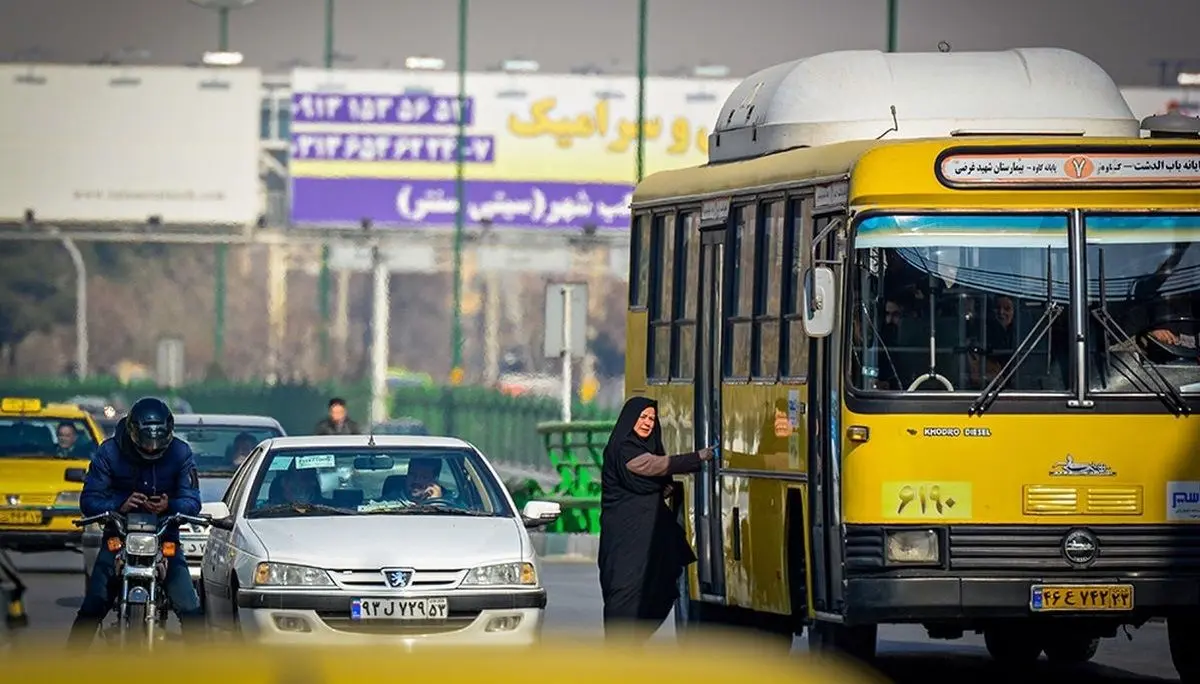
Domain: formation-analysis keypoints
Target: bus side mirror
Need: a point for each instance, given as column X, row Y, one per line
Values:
column 820, row 302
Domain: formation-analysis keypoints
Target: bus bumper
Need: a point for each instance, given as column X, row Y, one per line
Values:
column 870, row 600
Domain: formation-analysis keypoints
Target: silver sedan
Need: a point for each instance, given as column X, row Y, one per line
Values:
column 404, row 540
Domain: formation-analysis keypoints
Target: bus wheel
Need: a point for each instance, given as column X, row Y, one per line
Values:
column 1071, row 649
column 857, row 641
column 1012, row 646
column 1181, row 637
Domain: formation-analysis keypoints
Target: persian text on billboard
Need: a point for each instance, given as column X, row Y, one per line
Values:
column 540, row 151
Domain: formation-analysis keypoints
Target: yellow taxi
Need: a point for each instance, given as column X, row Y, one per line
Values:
column 45, row 450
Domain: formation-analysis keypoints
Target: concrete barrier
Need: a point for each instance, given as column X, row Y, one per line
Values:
column 564, row 547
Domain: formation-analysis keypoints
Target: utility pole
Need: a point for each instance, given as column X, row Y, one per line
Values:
column 460, row 193
column 891, row 25
column 643, row 11
column 324, row 277
column 223, row 7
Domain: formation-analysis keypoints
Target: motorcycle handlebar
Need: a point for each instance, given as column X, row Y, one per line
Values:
column 162, row 523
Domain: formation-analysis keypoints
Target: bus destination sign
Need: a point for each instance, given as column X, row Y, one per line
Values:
column 982, row 169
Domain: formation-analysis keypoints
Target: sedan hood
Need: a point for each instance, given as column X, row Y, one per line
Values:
column 364, row 542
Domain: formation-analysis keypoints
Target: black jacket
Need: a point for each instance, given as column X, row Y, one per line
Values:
column 326, row 427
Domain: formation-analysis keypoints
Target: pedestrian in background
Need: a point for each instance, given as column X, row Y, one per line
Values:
column 337, row 422
column 643, row 549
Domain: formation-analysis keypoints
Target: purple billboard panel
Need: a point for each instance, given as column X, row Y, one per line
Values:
column 416, row 203
column 477, row 149
column 364, row 108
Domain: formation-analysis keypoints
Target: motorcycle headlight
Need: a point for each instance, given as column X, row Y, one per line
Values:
column 286, row 575
column 67, row 500
column 502, row 573
column 141, row 545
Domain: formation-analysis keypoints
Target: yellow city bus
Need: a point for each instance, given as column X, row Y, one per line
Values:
column 939, row 311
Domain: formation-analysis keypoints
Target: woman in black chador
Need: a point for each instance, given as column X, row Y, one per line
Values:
column 643, row 549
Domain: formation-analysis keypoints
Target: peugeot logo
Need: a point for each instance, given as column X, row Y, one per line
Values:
column 397, row 578
column 1080, row 547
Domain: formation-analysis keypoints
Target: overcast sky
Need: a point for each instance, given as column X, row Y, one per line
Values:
column 1124, row 36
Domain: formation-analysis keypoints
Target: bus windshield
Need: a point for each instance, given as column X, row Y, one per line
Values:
column 1144, row 300
column 942, row 302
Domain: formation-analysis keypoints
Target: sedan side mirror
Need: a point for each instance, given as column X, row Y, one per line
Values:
column 218, row 515
column 540, row 513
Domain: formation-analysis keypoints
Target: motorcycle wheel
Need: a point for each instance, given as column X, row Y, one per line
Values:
column 139, row 630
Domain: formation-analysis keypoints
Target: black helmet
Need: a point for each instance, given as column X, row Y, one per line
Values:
column 150, row 426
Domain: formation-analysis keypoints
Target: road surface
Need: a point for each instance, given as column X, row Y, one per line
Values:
column 56, row 589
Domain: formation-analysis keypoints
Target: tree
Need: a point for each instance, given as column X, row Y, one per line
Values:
column 36, row 291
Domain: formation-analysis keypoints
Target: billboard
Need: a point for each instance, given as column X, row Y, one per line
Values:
column 1150, row 101
column 542, row 151
column 122, row 144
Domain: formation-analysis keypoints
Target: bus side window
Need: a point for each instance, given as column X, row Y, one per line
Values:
column 740, row 306
column 766, row 297
column 662, row 275
column 639, row 262
column 798, row 238
column 687, row 264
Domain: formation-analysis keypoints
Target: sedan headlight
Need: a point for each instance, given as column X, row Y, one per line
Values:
column 141, row 545
column 502, row 573
column 913, row 546
column 67, row 500
column 287, row 575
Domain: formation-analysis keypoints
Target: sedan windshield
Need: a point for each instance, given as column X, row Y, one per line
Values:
column 1144, row 297
column 46, row 438
column 383, row 481
column 220, row 449
column 950, row 303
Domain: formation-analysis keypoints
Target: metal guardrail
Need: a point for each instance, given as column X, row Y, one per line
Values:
column 576, row 452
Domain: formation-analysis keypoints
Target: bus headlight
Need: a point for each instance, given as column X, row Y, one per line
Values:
column 913, row 546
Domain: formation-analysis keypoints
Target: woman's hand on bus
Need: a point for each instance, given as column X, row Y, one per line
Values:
column 705, row 454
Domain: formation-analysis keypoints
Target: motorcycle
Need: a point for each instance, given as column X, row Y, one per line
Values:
column 142, row 604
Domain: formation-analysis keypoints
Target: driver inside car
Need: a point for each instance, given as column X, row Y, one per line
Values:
column 422, row 479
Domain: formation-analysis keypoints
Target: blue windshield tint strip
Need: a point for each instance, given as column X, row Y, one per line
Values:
column 962, row 230
column 1142, row 229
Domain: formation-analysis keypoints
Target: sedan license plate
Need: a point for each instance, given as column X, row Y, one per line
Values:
column 193, row 549
column 21, row 517
column 1080, row 597
column 399, row 609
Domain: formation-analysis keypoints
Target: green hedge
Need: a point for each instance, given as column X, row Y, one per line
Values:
column 502, row 426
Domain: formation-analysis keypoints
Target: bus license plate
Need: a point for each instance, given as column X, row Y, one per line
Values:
column 21, row 517
column 1080, row 597
column 399, row 609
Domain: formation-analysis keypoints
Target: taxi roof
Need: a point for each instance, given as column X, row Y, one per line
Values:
column 51, row 410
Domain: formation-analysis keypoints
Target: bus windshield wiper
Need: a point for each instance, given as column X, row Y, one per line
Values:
column 1158, row 385
column 989, row 394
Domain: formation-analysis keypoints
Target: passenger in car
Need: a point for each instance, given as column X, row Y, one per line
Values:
column 296, row 487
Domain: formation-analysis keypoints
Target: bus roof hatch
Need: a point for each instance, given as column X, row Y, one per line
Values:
column 867, row 94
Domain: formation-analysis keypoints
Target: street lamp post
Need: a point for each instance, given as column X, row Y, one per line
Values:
column 81, row 306
column 460, row 193
column 891, row 25
column 223, row 7
column 323, row 279
column 643, row 10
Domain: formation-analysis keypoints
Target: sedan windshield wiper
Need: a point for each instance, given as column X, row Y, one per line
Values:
column 989, row 394
column 279, row 510
column 421, row 509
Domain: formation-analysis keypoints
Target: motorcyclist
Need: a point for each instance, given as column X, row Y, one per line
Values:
column 142, row 467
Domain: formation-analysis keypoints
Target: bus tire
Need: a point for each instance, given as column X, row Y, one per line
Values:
column 1071, row 649
column 854, row 641
column 1181, row 638
column 1012, row 646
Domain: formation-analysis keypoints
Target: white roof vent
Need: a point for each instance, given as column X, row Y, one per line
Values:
column 850, row 95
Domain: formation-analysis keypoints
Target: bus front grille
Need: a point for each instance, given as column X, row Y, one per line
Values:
column 1039, row 548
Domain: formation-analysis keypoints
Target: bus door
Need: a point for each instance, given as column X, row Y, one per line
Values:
column 823, row 427
column 707, row 393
